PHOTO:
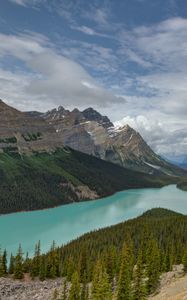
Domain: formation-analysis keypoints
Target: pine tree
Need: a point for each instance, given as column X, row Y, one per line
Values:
column 83, row 264
column 111, row 258
column 18, row 265
column 101, row 287
column 36, row 261
column 124, row 281
column 3, row 264
column 52, row 265
column 84, row 289
column 70, row 268
column 11, row 265
column 64, row 295
column 139, row 286
column 153, row 267
column 42, row 268
column 26, row 264
column 74, row 293
column 184, row 260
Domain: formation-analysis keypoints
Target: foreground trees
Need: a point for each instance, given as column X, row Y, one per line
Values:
column 121, row 262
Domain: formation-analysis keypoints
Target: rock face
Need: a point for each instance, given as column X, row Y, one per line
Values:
column 92, row 115
column 94, row 134
column 87, row 131
column 28, row 290
column 24, row 132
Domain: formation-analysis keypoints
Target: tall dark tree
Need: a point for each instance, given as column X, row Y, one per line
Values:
column 3, row 264
column 153, row 266
column 11, row 264
column 42, row 268
column 74, row 293
column 101, row 289
column 139, row 284
column 36, row 261
column 184, row 260
column 64, row 294
column 124, row 282
column 18, row 264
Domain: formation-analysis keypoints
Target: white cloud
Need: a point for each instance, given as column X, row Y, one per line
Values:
column 163, row 139
column 19, row 2
column 53, row 78
column 22, row 47
column 85, row 29
column 27, row 2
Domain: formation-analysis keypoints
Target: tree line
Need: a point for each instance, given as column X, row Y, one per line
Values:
column 122, row 262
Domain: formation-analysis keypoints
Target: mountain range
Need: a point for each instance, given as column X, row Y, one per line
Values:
column 62, row 156
column 87, row 131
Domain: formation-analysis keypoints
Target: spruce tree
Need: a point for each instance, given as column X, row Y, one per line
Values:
column 11, row 264
column 101, row 287
column 184, row 260
column 83, row 264
column 18, row 265
column 84, row 289
column 26, row 264
column 3, row 264
column 139, row 286
column 70, row 268
column 124, row 281
column 153, row 267
column 74, row 293
column 36, row 261
column 64, row 293
column 42, row 268
column 111, row 258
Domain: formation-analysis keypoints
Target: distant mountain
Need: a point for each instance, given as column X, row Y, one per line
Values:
column 87, row 131
column 185, row 161
column 92, row 115
column 94, row 134
column 40, row 166
column 180, row 161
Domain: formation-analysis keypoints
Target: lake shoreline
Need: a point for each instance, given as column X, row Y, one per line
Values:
column 90, row 200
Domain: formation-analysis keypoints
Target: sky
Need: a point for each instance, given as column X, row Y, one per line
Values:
column 125, row 58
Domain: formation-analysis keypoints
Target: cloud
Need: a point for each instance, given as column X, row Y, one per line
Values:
column 146, row 65
column 67, row 82
column 19, row 2
column 22, row 47
column 52, row 77
column 163, row 140
column 28, row 2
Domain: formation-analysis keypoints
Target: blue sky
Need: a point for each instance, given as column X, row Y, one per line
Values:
column 126, row 58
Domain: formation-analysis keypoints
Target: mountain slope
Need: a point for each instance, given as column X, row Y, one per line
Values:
column 45, row 180
column 94, row 134
column 87, row 131
column 25, row 133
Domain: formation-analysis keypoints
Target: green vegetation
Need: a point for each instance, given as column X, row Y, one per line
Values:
column 45, row 180
column 9, row 140
column 182, row 184
column 125, row 260
column 32, row 136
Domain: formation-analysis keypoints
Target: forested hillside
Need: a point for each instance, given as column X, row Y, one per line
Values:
column 122, row 262
column 45, row 180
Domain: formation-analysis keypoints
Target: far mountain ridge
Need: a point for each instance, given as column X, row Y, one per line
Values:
column 86, row 131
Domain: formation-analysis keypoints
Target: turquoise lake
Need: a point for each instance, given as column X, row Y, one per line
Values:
column 67, row 222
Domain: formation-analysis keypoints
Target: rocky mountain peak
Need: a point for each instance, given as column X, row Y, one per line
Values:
column 92, row 115
column 5, row 107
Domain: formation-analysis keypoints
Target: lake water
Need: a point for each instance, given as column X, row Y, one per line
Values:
column 67, row 222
